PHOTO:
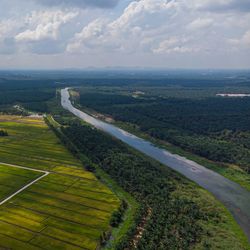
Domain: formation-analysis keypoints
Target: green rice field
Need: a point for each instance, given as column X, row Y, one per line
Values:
column 67, row 209
column 12, row 179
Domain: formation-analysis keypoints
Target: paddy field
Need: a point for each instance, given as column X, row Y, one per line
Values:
column 67, row 209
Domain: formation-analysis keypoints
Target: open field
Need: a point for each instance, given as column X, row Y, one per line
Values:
column 32, row 144
column 67, row 209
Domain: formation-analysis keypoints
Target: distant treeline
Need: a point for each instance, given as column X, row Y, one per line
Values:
column 151, row 81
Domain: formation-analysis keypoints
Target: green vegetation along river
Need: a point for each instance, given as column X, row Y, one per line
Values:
column 232, row 195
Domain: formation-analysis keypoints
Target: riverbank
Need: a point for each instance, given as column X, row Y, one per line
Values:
column 235, row 198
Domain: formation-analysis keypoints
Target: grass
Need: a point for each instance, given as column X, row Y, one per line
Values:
column 68, row 209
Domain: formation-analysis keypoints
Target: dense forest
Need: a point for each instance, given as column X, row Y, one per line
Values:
column 28, row 94
column 215, row 128
column 172, row 221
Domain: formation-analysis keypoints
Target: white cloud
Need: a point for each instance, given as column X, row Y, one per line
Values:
column 89, row 36
column 166, row 45
column 3, row 30
column 243, row 41
column 6, row 28
column 130, row 31
column 47, row 24
column 155, row 27
column 139, row 11
column 174, row 45
column 200, row 23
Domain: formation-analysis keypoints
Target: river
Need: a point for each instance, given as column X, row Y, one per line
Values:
column 232, row 195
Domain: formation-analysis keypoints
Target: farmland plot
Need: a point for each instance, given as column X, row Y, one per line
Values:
column 67, row 209
column 13, row 178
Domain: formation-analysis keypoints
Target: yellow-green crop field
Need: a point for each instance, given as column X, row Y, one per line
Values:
column 12, row 179
column 67, row 209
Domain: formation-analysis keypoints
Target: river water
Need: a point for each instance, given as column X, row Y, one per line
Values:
column 232, row 195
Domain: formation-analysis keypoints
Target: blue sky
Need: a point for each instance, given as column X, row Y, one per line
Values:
column 109, row 33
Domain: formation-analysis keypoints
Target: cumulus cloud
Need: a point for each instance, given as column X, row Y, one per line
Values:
column 242, row 41
column 89, row 36
column 80, row 3
column 130, row 31
column 126, row 30
column 174, row 45
column 140, row 12
column 47, row 24
column 200, row 23
column 153, row 26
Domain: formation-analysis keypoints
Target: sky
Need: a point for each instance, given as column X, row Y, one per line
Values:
column 60, row 34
